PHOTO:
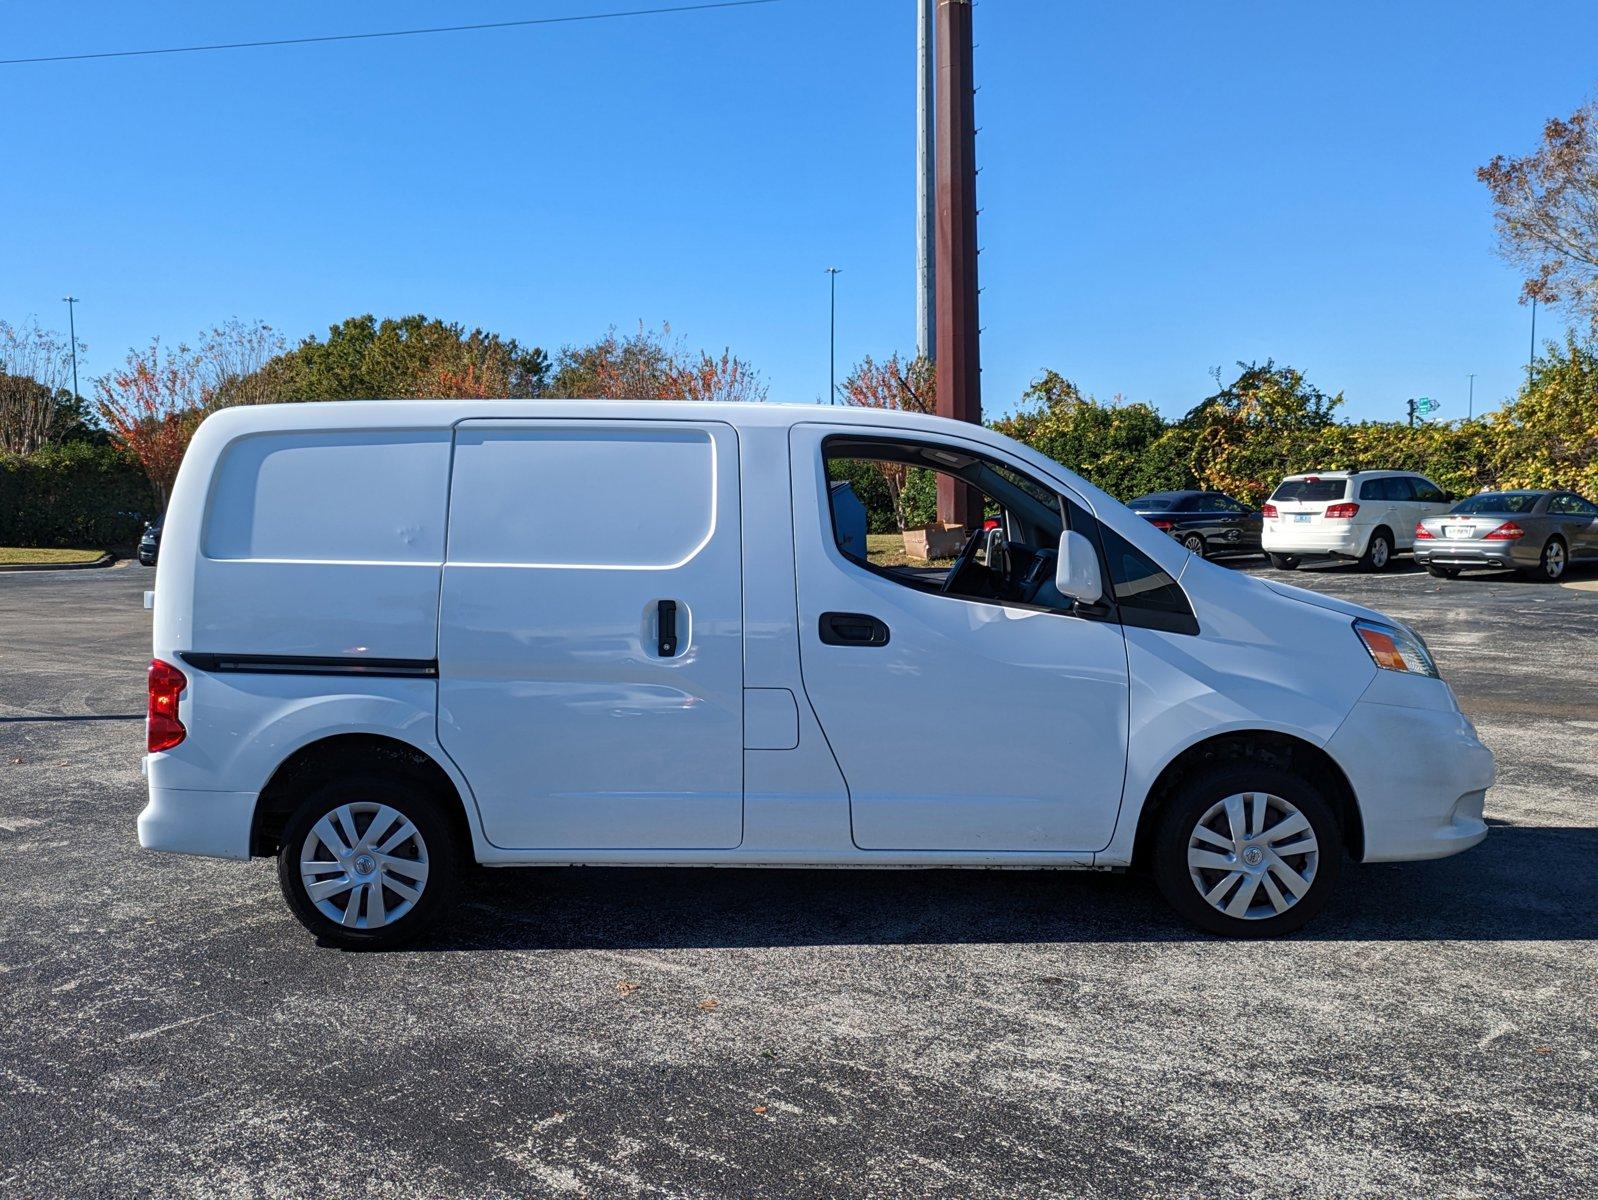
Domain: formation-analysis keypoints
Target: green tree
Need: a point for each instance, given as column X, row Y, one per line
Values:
column 1109, row 444
column 615, row 367
column 1258, row 428
column 406, row 358
column 1547, row 436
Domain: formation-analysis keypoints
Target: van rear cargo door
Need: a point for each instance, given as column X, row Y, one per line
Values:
column 590, row 635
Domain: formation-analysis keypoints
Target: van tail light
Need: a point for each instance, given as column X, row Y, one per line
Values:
column 1340, row 512
column 1269, row 512
column 1423, row 534
column 1161, row 523
column 162, row 729
column 1507, row 532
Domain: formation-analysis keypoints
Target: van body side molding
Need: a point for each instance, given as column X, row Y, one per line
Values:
column 296, row 664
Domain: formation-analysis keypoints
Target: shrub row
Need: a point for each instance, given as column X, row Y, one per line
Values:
column 75, row 494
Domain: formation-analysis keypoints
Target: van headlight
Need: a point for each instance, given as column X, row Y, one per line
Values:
column 1393, row 648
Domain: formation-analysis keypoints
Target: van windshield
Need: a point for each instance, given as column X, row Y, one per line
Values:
column 1310, row 489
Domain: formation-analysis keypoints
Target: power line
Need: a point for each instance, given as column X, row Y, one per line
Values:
column 390, row 33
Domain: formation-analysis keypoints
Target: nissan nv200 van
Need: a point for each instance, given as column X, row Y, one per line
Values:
column 396, row 637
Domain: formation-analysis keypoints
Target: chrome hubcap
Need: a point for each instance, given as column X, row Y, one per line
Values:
column 1253, row 855
column 364, row 865
column 1379, row 552
column 1555, row 557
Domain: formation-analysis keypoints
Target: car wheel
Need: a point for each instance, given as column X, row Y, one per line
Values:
column 1247, row 850
column 1378, row 551
column 1552, row 563
column 1285, row 562
column 368, row 862
column 1195, row 543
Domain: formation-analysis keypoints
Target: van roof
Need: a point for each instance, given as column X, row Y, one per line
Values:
column 439, row 414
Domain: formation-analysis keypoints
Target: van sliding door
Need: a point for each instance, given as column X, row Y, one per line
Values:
column 590, row 636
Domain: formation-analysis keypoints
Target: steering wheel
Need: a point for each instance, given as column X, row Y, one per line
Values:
column 968, row 552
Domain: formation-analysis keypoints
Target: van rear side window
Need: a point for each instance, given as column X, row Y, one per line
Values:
column 311, row 496
column 548, row 495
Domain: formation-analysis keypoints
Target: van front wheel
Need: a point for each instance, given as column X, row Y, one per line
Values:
column 1247, row 851
column 368, row 862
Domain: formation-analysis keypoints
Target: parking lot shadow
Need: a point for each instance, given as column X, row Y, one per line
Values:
column 1524, row 883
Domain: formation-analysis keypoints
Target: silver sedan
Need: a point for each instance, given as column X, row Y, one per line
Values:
column 1539, row 533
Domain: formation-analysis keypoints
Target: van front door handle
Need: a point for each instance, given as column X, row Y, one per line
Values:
column 852, row 629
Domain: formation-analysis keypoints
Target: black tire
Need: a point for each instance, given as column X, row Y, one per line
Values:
column 1378, row 554
column 1285, row 562
column 1194, row 542
column 1550, row 569
column 1443, row 572
column 438, row 841
column 1197, row 795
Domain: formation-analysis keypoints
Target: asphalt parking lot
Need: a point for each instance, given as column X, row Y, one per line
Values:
column 167, row 1029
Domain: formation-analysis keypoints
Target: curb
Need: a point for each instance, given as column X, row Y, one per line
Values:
column 105, row 560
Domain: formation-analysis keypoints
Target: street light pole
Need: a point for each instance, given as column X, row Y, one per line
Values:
column 1531, row 357
column 1470, row 404
column 72, row 339
column 832, row 338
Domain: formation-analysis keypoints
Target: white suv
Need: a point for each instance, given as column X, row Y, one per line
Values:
column 1364, row 515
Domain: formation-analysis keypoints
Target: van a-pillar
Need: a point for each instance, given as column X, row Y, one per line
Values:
column 955, row 286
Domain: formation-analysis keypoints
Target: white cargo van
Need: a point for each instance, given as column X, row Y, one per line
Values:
column 392, row 637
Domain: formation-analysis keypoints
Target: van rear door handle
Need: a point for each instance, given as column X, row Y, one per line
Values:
column 852, row 629
column 666, row 628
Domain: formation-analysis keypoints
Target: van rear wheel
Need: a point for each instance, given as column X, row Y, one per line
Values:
column 1247, row 850
column 1285, row 562
column 368, row 861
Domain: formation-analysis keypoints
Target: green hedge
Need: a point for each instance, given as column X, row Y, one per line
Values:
column 76, row 494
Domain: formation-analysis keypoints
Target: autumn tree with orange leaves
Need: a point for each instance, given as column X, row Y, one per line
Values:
column 1545, row 205
column 647, row 365
column 155, row 400
column 903, row 385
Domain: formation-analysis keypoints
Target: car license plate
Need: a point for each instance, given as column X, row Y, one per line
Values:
column 1458, row 531
column 1302, row 518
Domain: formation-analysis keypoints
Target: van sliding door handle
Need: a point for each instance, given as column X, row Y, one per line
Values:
column 852, row 629
column 666, row 628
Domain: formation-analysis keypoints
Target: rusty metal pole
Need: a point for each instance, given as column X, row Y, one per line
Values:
column 958, row 365
column 926, row 189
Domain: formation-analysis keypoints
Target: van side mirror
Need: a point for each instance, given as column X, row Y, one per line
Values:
column 1076, row 569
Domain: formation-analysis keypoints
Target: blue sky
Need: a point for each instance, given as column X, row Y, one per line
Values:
column 1165, row 187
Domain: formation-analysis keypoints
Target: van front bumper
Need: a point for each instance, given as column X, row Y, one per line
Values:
column 1420, row 777
column 215, row 824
